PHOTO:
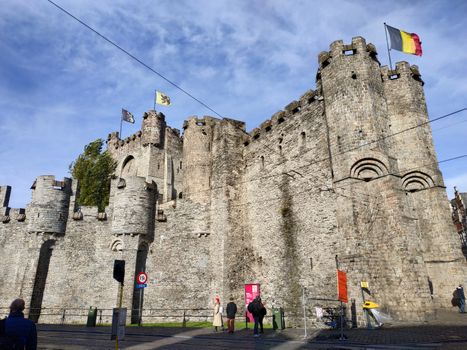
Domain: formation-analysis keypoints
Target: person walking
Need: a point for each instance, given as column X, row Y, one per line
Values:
column 262, row 313
column 255, row 308
column 22, row 330
column 217, row 316
column 231, row 310
column 461, row 298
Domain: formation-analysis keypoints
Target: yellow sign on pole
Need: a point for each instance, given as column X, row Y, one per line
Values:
column 364, row 285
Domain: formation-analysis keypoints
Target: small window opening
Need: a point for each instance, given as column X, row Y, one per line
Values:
column 246, row 143
column 339, row 143
column 394, row 76
column 203, row 132
column 158, row 166
column 280, row 149
column 280, row 140
column 280, row 120
column 268, row 128
column 311, row 263
column 180, row 195
column 296, row 110
column 303, row 139
column 349, row 52
column 262, row 162
column 180, row 165
column 200, row 123
column 354, row 76
column 256, row 136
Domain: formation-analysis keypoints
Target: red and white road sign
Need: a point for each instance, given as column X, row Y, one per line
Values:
column 141, row 278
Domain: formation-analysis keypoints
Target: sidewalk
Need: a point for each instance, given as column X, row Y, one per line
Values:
column 448, row 331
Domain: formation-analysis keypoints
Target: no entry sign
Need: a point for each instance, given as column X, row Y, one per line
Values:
column 141, row 278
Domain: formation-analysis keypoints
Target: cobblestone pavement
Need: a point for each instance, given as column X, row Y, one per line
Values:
column 449, row 331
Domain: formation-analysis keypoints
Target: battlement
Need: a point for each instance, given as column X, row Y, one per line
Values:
column 48, row 181
column 338, row 48
column 7, row 215
column 114, row 142
column 194, row 121
column 403, row 69
column 294, row 107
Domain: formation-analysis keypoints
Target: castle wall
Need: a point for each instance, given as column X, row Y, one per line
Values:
column 320, row 184
column 179, row 265
column 290, row 211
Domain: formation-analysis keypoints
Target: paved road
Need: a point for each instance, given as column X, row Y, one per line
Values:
column 449, row 332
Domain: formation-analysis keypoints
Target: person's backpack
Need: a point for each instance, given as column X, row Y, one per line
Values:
column 8, row 342
column 250, row 307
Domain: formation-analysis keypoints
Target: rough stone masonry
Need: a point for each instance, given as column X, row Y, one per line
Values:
column 207, row 211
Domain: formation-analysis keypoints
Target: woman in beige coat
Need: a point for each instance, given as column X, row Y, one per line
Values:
column 217, row 316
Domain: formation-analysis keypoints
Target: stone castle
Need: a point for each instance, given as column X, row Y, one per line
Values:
column 326, row 180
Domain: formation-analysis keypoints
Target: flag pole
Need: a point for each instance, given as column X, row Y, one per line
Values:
column 387, row 44
column 121, row 121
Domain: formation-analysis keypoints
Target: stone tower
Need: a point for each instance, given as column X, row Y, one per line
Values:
column 47, row 220
column 420, row 177
column 197, row 162
column 388, row 180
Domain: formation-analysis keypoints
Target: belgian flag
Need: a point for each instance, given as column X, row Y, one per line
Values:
column 403, row 41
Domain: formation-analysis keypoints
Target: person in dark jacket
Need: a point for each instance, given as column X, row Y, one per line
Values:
column 19, row 328
column 231, row 311
column 255, row 308
column 460, row 298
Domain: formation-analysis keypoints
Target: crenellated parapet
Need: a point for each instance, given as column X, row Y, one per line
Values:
column 308, row 99
column 403, row 70
column 358, row 46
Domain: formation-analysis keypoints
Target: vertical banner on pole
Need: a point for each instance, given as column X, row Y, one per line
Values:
column 342, row 286
column 251, row 292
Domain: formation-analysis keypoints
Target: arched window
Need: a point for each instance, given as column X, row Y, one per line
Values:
column 129, row 167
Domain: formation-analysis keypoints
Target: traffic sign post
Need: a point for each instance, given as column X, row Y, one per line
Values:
column 141, row 279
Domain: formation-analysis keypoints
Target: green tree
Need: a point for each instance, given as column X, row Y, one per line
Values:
column 93, row 169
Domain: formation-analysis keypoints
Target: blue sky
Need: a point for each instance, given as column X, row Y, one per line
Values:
column 61, row 86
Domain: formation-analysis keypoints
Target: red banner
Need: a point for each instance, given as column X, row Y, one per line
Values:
column 342, row 286
column 251, row 291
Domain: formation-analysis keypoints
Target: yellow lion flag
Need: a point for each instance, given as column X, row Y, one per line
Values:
column 162, row 99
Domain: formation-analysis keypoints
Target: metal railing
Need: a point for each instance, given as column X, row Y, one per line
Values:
column 79, row 316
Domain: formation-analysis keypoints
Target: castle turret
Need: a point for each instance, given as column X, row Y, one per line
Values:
column 133, row 206
column 197, row 160
column 153, row 129
column 355, row 107
column 48, row 210
column 364, row 165
column 421, row 178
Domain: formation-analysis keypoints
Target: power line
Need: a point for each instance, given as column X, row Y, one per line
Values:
column 211, row 109
column 135, row 58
